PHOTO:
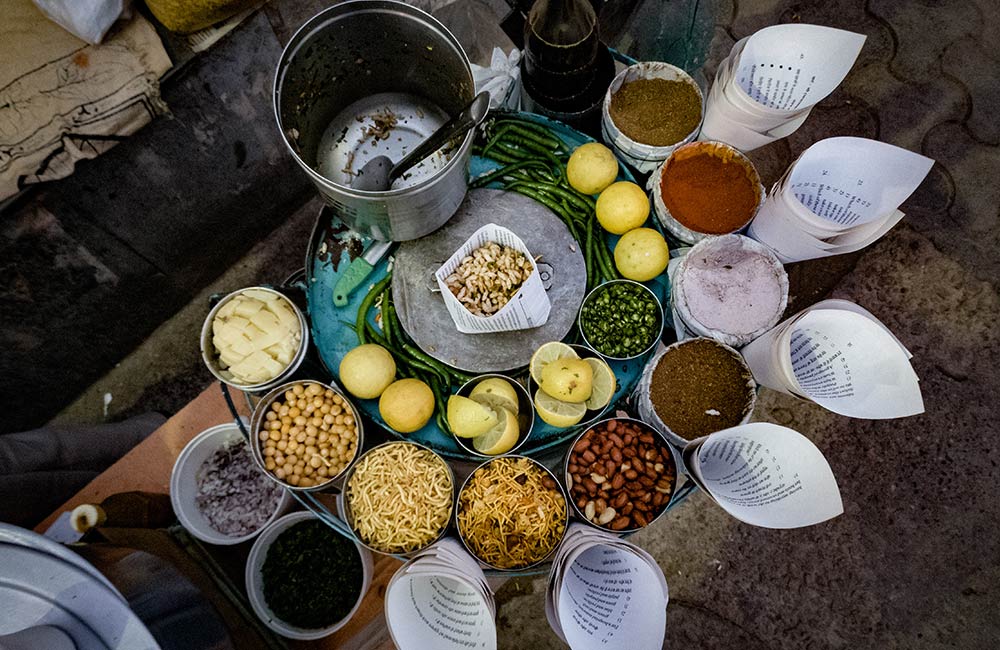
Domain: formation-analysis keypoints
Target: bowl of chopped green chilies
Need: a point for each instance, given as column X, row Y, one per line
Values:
column 621, row 320
column 305, row 580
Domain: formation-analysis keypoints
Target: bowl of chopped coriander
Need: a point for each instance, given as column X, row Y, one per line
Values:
column 305, row 580
column 218, row 492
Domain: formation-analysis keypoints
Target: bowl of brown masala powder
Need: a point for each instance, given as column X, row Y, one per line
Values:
column 650, row 109
column 706, row 188
column 696, row 387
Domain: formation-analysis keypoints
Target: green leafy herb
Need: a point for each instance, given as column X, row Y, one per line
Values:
column 312, row 576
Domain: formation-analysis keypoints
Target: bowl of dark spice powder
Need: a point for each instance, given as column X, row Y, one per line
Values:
column 305, row 580
column 696, row 387
column 649, row 110
column 704, row 189
column 218, row 492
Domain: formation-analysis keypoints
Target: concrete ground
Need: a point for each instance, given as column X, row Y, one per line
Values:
column 914, row 561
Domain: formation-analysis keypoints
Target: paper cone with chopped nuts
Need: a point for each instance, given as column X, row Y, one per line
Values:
column 491, row 284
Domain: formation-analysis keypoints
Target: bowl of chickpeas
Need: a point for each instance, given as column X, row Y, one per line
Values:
column 306, row 434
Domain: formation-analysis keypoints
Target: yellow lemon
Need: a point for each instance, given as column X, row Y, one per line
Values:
column 591, row 168
column 604, row 384
column 468, row 418
column 367, row 370
column 557, row 413
column 641, row 254
column 501, row 438
column 623, row 206
column 496, row 393
column 406, row 405
column 547, row 353
column 569, row 380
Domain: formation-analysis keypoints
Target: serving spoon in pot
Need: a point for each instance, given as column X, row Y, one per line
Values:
column 378, row 173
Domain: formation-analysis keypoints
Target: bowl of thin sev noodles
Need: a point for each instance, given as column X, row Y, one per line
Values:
column 398, row 498
column 512, row 513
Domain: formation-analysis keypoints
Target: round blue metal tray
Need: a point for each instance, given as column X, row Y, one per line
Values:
column 332, row 327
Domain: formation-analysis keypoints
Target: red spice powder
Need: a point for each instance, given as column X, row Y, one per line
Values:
column 708, row 190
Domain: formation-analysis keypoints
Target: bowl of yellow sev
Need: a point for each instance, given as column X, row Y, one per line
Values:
column 398, row 498
column 512, row 513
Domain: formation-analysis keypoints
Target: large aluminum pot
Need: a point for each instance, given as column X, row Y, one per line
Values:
column 345, row 65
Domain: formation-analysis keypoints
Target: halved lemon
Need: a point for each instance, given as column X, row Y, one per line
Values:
column 496, row 393
column 501, row 438
column 468, row 418
column 603, row 385
column 558, row 413
column 546, row 354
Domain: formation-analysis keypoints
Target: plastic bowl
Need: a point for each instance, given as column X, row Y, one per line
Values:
column 211, row 356
column 255, row 587
column 184, row 486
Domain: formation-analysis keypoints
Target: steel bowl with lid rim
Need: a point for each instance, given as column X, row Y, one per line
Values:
column 344, row 504
column 674, row 462
column 525, row 417
column 558, row 488
column 257, row 419
column 346, row 64
column 658, row 328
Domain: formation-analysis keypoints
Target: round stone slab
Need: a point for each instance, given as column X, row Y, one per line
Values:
column 422, row 311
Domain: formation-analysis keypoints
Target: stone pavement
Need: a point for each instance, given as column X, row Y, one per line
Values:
column 914, row 562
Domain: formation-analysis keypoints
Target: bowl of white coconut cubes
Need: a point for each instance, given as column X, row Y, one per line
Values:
column 254, row 338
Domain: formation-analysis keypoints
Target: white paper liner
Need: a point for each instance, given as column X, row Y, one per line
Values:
column 841, row 195
column 643, row 157
column 766, row 87
column 440, row 599
column 528, row 308
column 604, row 592
column 840, row 356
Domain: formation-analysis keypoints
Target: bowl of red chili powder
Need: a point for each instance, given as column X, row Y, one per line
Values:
column 704, row 189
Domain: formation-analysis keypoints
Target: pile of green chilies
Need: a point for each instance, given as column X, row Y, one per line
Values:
column 534, row 164
column 411, row 361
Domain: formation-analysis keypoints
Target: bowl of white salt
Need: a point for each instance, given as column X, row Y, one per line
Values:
column 218, row 492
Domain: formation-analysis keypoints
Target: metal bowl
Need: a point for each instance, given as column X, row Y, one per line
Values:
column 525, row 416
column 591, row 416
column 559, row 487
column 603, row 287
column 211, row 357
column 348, row 514
column 257, row 420
column 646, row 428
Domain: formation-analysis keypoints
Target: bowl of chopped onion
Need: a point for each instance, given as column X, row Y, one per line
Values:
column 218, row 492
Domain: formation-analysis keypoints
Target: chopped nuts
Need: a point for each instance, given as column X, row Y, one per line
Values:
column 488, row 278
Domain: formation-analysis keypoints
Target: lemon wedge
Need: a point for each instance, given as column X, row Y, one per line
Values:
column 546, row 354
column 496, row 393
column 501, row 438
column 602, row 386
column 468, row 418
column 558, row 413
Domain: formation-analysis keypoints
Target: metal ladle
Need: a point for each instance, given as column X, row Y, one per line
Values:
column 378, row 173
